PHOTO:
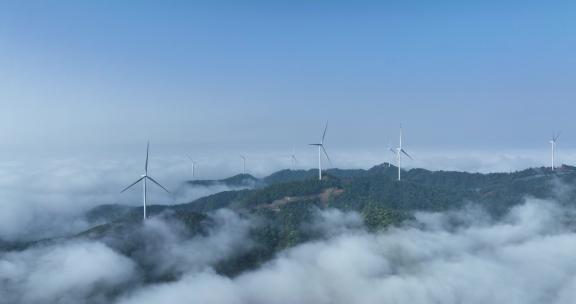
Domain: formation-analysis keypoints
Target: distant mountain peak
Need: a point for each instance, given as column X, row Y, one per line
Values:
column 239, row 180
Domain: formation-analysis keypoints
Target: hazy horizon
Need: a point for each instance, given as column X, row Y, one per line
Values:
column 99, row 79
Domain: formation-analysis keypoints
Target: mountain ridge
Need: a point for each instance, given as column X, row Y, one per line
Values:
column 284, row 203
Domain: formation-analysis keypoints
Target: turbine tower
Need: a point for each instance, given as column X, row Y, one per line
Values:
column 144, row 178
column 293, row 159
column 243, row 164
column 193, row 166
column 399, row 151
column 320, row 150
column 553, row 145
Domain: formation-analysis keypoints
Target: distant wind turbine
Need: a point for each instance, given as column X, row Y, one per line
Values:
column 193, row 166
column 320, row 150
column 145, row 178
column 243, row 164
column 293, row 159
column 553, row 142
column 399, row 151
column 389, row 163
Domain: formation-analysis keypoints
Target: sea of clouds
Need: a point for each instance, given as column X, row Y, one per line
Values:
column 36, row 193
column 48, row 198
column 461, row 256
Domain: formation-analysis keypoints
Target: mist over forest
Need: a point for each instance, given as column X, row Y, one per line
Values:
column 357, row 236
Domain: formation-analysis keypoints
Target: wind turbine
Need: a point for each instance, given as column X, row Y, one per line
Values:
column 399, row 151
column 293, row 159
column 320, row 150
column 243, row 164
column 553, row 145
column 144, row 178
column 193, row 166
column 391, row 150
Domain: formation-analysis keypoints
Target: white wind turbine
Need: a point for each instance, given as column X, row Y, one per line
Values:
column 243, row 164
column 193, row 167
column 320, row 150
column 145, row 178
column 399, row 151
column 553, row 142
column 389, row 163
column 293, row 159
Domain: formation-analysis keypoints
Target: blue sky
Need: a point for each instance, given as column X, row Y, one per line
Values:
column 100, row 76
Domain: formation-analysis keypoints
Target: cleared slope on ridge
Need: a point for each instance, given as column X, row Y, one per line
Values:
column 377, row 186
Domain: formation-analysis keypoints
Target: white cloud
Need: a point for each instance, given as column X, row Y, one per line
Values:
column 525, row 258
column 169, row 247
column 62, row 273
column 37, row 197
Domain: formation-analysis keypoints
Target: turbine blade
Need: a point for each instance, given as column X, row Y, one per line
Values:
column 147, row 153
column 324, row 134
column 325, row 153
column 157, row 184
column 134, row 183
column 314, row 144
column 406, row 153
column 392, row 150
